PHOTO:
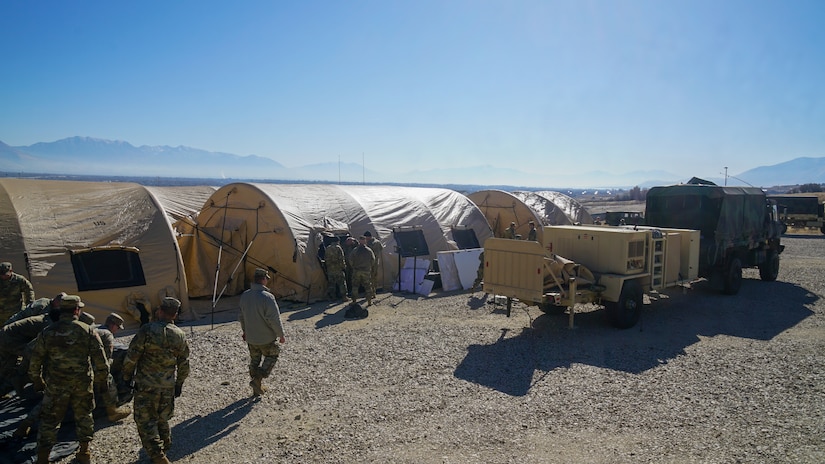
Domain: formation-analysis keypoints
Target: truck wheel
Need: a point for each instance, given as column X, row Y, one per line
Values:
column 769, row 270
column 624, row 313
column 733, row 277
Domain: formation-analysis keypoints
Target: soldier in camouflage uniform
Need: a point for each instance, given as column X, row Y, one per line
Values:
column 15, row 291
column 260, row 320
column 13, row 340
column 36, row 308
column 156, row 353
column 362, row 260
column 349, row 245
column 61, row 362
column 531, row 235
column 377, row 250
column 108, row 397
column 336, row 270
column 510, row 232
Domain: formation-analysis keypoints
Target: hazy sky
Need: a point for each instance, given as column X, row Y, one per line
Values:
column 554, row 86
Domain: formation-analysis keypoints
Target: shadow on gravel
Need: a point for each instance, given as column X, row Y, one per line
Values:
column 760, row 311
column 197, row 433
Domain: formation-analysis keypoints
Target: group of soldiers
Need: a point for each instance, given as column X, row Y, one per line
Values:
column 57, row 347
column 510, row 232
column 352, row 266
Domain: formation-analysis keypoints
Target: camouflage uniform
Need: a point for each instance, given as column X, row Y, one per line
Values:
column 532, row 234
column 15, row 292
column 35, row 308
column 479, row 272
column 260, row 320
column 158, row 350
column 13, row 340
column 362, row 261
column 510, row 232
column 349, row 245
column 377, row 250
column 336, row 271
column 64, row 354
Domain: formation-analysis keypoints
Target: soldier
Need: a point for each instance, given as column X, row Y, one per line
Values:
column 378, row 250
column 13, row 340
column 108, row 397
column 36, row 308
column 260, row 320
column 336, row 270
column 15, row 291
column 349, row 245
column 532, row 234
column 156, row 352
column 510, row 232
column 61, row 362
column 480, row 272
column 362, row 261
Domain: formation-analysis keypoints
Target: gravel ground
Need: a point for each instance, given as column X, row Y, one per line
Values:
column 703, row 378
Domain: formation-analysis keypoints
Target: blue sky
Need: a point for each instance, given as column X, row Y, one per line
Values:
column 561, row 87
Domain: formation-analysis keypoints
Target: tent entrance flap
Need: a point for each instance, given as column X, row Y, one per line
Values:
column 465, row 238
column 100, row 268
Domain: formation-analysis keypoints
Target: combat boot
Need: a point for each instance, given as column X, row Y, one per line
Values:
column 24, row 428
column 84, row 455
column 43, row 455
column 160, row 459
column 257, row 388
column 115, row 413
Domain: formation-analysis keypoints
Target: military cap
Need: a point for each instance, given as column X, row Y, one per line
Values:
column 114, row 319
column 367, row 234
column 170, row 303
column 261, row 273
column 87, row 318
column 71, row 302
column 5, row 267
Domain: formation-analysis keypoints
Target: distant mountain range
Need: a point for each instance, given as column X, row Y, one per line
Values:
column 90, row 156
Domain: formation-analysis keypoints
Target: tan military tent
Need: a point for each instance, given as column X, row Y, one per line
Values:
column 501, row 208
column 108, row 242
column 545, row 208
column 280, row 227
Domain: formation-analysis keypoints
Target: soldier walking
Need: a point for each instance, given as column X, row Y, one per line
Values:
column 260, row 320
column 61, row 362
column 156, row 354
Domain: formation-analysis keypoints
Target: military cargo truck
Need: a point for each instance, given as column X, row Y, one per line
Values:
column 739, row 228
column 800, row 211
column 609, row 266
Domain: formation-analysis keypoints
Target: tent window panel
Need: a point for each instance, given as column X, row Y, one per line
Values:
column 411, row 243
column 465, row 239
column 102, row 269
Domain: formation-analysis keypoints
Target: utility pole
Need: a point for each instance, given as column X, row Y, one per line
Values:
column 726, row 176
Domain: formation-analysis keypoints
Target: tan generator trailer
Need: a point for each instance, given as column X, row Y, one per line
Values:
column 610, row 266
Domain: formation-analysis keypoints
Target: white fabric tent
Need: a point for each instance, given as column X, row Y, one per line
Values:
column 279, row 226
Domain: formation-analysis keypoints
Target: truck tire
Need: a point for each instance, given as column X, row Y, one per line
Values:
column 733, row 277
column 625, row 313
column 769, row 270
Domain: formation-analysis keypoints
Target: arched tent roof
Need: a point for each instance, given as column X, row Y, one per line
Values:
column 555, row 208
column 182, row 202
column 280, row 226
column 100, row 240
column 501, row 208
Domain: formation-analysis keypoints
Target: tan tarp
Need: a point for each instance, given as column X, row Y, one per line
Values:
column 501, row 208
column 43, row 221
column 555, row 208
column 280, row 226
